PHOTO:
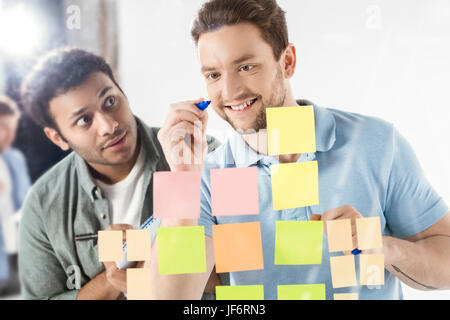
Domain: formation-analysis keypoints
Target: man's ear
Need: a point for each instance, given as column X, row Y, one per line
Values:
column 56, row 138
column 289, row 61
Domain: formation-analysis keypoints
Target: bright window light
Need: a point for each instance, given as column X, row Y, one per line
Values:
column 19, row 31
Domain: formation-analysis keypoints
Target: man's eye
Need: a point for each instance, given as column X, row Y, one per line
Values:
column 247, row 68
column 213, row 76
column 110, row 101
column 83, row 121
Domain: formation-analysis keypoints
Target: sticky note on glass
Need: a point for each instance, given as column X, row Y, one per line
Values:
column 253, row 292
column 343, row 273
column 238, row 247
column 176, row 194
column 371, row 271
column 368, row 231
column 346, row 296
column 234, row 191
column 291, row 130
column 138, row 284
column 339, row 234
column 138, row 245
column 298, row 242
column 302, row 292
column 295, row 185
column 110, row 245
column 181, row 250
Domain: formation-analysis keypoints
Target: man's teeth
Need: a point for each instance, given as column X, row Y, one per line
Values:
column 242, row 106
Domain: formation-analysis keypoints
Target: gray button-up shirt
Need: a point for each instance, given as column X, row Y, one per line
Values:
column 63, row 203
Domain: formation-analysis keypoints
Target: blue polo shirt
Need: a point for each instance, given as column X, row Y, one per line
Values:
column 364, row 162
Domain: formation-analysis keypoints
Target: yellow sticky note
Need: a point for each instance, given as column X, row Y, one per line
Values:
column 291, row 130
column 302, row 292
column 343, row 273
column 298, row 242
column 295, row 185
column 371, row 271
column 346, row 296
column 368, row 232
column 339, row 235
column 253, row 292
column 138, row 284
column 138, row 245
column 110, row 245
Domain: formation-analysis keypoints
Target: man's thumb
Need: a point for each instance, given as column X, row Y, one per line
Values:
column 315, row 217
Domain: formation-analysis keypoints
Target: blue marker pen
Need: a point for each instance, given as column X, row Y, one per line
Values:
column 203, row 105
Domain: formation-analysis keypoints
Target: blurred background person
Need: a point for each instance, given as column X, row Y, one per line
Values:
column 14, row 184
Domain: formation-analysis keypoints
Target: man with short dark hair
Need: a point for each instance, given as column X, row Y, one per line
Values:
column 366, row 168
column 106, row 183
column 14, row 184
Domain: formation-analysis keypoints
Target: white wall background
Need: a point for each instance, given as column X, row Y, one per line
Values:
column 384, row 58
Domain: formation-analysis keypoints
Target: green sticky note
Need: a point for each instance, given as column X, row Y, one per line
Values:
column 254, row 292
column 302, row 292
column 298, row 242
column 181, row 250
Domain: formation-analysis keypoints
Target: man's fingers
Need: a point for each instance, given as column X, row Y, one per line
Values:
column 179, row 115
column 119, row 226
column 315, row 217
column 123, row 227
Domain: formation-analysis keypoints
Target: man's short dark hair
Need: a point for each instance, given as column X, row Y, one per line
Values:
column 8, row 107
column 55, row 74
column 264, row 14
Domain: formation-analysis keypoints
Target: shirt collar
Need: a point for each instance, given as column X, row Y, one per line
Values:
column 241, row 155
column 151, row 153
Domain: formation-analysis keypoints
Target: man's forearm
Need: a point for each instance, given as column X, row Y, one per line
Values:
column 423, row 264
column 98, row 289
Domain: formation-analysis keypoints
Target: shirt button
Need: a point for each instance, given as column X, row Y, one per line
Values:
column 102, row 215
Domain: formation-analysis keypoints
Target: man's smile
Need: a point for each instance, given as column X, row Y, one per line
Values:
column 242, row 106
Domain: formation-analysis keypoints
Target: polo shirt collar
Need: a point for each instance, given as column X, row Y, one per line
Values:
column 241, row 155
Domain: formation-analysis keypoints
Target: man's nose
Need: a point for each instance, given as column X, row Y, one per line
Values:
column 106, row 124
column 232, row 88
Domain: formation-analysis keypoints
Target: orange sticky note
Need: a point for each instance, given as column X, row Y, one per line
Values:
column 343, row 273
column 176, row 194
column 238, row 247
column 339, row 235
column 234, row 191
column 371, row 269
column 138, row 284
column 110, row 245
column 368, row 231
column 138, row 245
column 346, row 296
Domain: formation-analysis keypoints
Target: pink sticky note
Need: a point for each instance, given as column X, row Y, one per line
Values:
column 234, row 191
column 176, row 194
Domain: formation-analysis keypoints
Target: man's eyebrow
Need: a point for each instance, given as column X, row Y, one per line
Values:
column 243, row 58
column 78, row 112
column 235, row 62
column 207, row 69
column 104, row 91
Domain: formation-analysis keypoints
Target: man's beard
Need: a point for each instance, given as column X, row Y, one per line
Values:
column 276, row 100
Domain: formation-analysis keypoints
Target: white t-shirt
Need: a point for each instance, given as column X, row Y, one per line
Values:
column 125, row 197
column 7, row 214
